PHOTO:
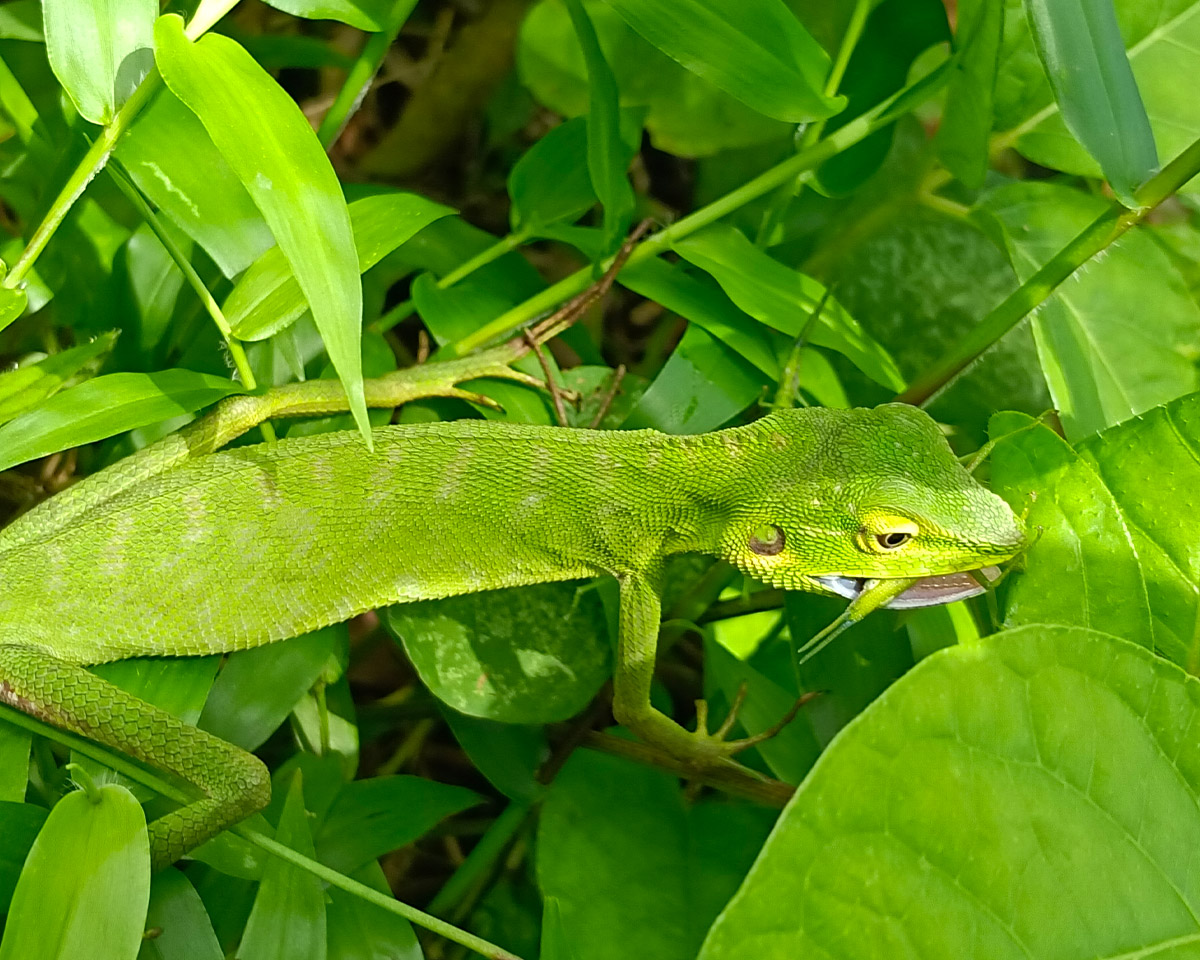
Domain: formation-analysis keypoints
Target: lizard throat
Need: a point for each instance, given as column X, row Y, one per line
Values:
column 927, row 592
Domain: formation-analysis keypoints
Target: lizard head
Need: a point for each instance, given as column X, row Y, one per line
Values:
column 841, row 497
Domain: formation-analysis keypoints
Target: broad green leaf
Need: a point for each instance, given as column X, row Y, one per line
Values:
column 288, row 918
column 267, row 298
column 100, row 50
column 1032, row 795
column 372, row 817
column 105, row 406
column 1162, row 41
column 184, row 931
column 755, row 50
column 1083, row 569
column 174, row 162
column 268, row 142
column 86, row 883
column 31, row 384
column 244, row 711
column 548, row 185
column 508, row 754
column 1104, row 355
column 686, row 115
column 635, row 871
column 528, row 655
column 19, row 827
column 12, row 305
column 962, row 137
column 366, row 15
column 607, row 158
column 1084, row 56
column 785, row 299
column 702, row 386
column 1129, row 496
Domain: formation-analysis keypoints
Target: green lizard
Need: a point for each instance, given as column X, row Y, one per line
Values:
column 184, row 549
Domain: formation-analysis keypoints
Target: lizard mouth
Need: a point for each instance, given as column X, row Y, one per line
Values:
column 926, row 592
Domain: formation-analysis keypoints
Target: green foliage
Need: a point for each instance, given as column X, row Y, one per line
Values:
column 851, row 199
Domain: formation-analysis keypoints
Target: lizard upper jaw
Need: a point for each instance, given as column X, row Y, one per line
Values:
column 926, row 592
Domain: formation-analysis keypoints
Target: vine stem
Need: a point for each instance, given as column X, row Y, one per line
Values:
column 1095, row 237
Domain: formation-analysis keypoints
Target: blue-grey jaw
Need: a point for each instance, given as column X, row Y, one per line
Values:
column 927, row 592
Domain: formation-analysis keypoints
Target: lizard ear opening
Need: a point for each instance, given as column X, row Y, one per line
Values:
column 767, row 540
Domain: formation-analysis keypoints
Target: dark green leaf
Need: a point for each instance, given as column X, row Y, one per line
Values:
column 176, row 912
column 686, row 115
column 607, row 157
column 362, row 931
column 962, row 138
column 529, row 655
column 1084, row 56
column 19, row 825
column 104, row 407
column 756, row 50
column 547, row 185
column 785, row 299
column 702, row 385
column 634, row 871
column 244, row 711
column 372, row 817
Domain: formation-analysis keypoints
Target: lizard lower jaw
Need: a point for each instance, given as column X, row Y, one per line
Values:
column 927, row 592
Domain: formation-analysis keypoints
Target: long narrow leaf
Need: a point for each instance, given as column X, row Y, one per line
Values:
column 104, row 407
column 755, row 50
column 275, row 153
column 1084, row 56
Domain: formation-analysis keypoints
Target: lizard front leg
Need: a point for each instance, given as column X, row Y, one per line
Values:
column 640, row 615
column 234, row 783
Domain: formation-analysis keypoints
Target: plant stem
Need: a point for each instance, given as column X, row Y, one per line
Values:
column 236, row 350
column 358, row 80
column 801, row 165
column 91, row 164
column 1098, row 235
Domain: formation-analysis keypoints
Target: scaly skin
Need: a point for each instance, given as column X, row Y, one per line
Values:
column 188, row 555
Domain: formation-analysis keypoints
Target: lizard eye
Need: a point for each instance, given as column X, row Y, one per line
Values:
column 767, row 540
column 885, row 533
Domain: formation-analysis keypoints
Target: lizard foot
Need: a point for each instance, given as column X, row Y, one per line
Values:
column 715, row 741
